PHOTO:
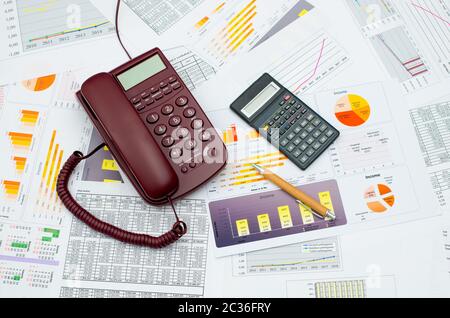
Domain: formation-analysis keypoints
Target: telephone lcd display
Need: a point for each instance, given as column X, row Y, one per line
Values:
column 139, row 73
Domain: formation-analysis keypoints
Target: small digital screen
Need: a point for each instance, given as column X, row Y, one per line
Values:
column 139, row 73
column 260, row 100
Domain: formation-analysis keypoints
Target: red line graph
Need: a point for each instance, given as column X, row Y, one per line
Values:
column 432, row 13
column 315, row 69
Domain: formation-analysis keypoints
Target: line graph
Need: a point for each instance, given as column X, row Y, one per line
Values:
column 315, row 68
column 57, row 22
column 432, row 13
column 319, row 255
column 311, row 62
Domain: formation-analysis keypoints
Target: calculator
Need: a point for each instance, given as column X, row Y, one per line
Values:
column 285, row 121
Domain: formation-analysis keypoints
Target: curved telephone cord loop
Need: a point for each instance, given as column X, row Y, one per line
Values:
column 179, row 228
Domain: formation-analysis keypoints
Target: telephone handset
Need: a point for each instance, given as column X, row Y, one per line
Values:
column 156, row 131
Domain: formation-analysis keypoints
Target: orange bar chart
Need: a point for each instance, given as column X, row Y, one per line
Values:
column 20, row 140
column 20, row 163
column 230, row 135
column 29, row 117
column 11, row 188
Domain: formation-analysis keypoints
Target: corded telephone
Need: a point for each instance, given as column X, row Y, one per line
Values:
column 156, row 131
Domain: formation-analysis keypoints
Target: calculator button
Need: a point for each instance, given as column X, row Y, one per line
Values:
column 167, row 110
column 310, row 117
column 303, row 147
column 287, row 97
column 135, row 100
column 290, row 148
column 317, row 145
column 316, row 134
column 316, row 122
column 154, row 90
column 297, row 153
column 172, row 79
column 152, row 118
column 190, row 144
column 176, row 86
column 175, row 121
column 197, row 124
column 160, row 130
column 304, row 110
column 310, row 140
column 277, row 117
column 167, row 142
column 163, row 84
column 329, row 133
column 282, row 113
column 304, row 123
column 323, row 127
column 181, row 101
column 158, row 96
column 205, row 136
column 310, row 128
column 297, row 141
column 284, row 142
column 292, row 102
column 176, row 153
column 310, row 152
column 291, row 136
column 323, row 139
column 182, row 132
column 167, row 91
column 149, row 101
column 144, row 95
column 303, row 135
column 189, row 112
column 282, row 103
column 287, row 107
column 304, row 159
column 297, row 129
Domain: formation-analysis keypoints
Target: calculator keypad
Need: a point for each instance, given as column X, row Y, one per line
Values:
column 301, row 134
column 174, row 123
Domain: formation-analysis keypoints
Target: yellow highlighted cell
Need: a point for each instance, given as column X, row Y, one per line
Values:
column 325, row 200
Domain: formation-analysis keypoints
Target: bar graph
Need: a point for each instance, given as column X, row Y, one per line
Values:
column 29, row 117
column 272, row 214
column 11, row 189
column 47, row 199
column 230, row 135
column 20, row 141
column 20, row 163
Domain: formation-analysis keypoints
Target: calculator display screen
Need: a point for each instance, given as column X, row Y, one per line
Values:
column 260, row 100
column 139, row 73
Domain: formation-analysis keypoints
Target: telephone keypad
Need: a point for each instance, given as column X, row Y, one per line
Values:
column 170, row 128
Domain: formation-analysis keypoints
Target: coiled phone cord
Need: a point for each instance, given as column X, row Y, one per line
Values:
column 179, row 228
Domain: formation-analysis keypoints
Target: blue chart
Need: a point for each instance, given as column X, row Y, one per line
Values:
column 273, row 214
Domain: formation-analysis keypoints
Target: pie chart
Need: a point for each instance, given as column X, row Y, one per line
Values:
column 379, row 198
column 352, row 110
column 39, row 83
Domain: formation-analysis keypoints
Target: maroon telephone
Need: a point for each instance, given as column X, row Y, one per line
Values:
column 158, row 134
